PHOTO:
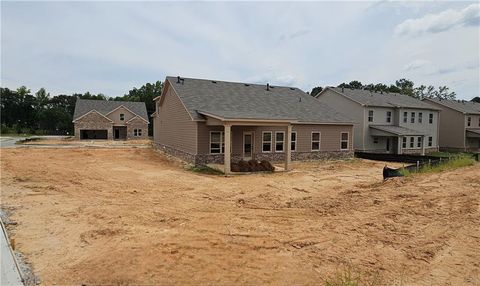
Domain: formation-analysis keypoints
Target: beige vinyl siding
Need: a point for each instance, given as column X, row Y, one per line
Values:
column 452, row 127
column 330, row 136
column 351, row 109
column 174, row 127
column 115, row 116
column 329, row 140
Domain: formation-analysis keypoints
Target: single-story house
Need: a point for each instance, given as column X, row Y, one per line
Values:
column 387, row 122
column 104, row 119
column 211, row 121
column 459, row 125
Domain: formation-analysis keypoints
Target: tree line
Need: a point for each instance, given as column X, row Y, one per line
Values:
column 40, row 113
column 402, row 86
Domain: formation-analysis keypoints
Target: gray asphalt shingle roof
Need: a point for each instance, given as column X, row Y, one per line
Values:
column 386, row 99
column 83, row 106
column 397, row 130
column 234, row 100
column 463, row 106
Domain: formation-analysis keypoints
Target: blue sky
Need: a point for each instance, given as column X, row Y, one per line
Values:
column 110, row 47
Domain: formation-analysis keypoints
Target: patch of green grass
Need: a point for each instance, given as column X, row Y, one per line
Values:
column 449, row 154
column 404, row 172
column 26, row 140
column 454, row 163
column 205, row 170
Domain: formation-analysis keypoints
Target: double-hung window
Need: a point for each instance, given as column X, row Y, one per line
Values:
column 404, row 143
column 267, row 141
column 279, row 141
column 389, row 116
column 430, row 141
column 419, row 142
column 217, row 142
column 469, row 121
column 412, row 119
column 430, row 118
column 137, row 132
column 122, row 116
column 412, row 142
column 405, row 117
column 370, row 116
column 315, row 141
column 293, row 141
column 344, row 141
column 420, row 117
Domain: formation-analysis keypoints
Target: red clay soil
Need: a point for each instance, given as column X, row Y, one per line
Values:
column 131, row 216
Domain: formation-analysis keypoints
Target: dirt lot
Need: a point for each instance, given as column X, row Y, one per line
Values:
column 130, row 216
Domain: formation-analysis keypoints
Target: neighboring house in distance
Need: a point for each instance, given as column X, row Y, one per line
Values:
column 459, row 124
column 208, row 121
column 386, row 122
column 102, row 119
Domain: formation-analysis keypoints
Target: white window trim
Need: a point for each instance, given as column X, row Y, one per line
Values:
column 412, row 117
column 389, row 117
column 283, row 142
column 271, row 141
column 430, row 141
column 411, row 142
column 404, row 140
column 137, row 132
column 430, row 116
column 210, row 142
column 419, row 141
column 368, row 115
column 122, row 119
column 319, row 141
column 341, row 141
column 291, row 141
column 469, row 121
column 420, row 117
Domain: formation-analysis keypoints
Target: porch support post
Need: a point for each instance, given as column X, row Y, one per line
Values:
column 228, row 151
column 288, row 151
column 400, row 144
column 423, row 145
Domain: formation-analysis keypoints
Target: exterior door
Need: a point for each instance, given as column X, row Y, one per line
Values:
column 117, row 134
column 247, row 145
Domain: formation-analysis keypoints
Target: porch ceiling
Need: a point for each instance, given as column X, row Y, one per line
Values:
column 473, row 133
column 391, row 130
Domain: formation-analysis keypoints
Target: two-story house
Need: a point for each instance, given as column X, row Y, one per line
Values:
column 459, row 125
column 386, row 122
column 105, row 119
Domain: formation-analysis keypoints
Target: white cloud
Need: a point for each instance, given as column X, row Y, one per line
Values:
column 416, row 64
column 443, row 21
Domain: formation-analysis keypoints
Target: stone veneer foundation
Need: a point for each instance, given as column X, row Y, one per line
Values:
column 200, row 159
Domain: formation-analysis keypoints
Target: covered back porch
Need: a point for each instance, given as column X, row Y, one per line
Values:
column 247, row 138
column 397, row 138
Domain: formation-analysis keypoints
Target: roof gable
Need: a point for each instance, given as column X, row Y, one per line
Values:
column 234, row 100
column 105, row 107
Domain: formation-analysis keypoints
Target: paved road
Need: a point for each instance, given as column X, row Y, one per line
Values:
column 9, row 273
column 9, row 142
